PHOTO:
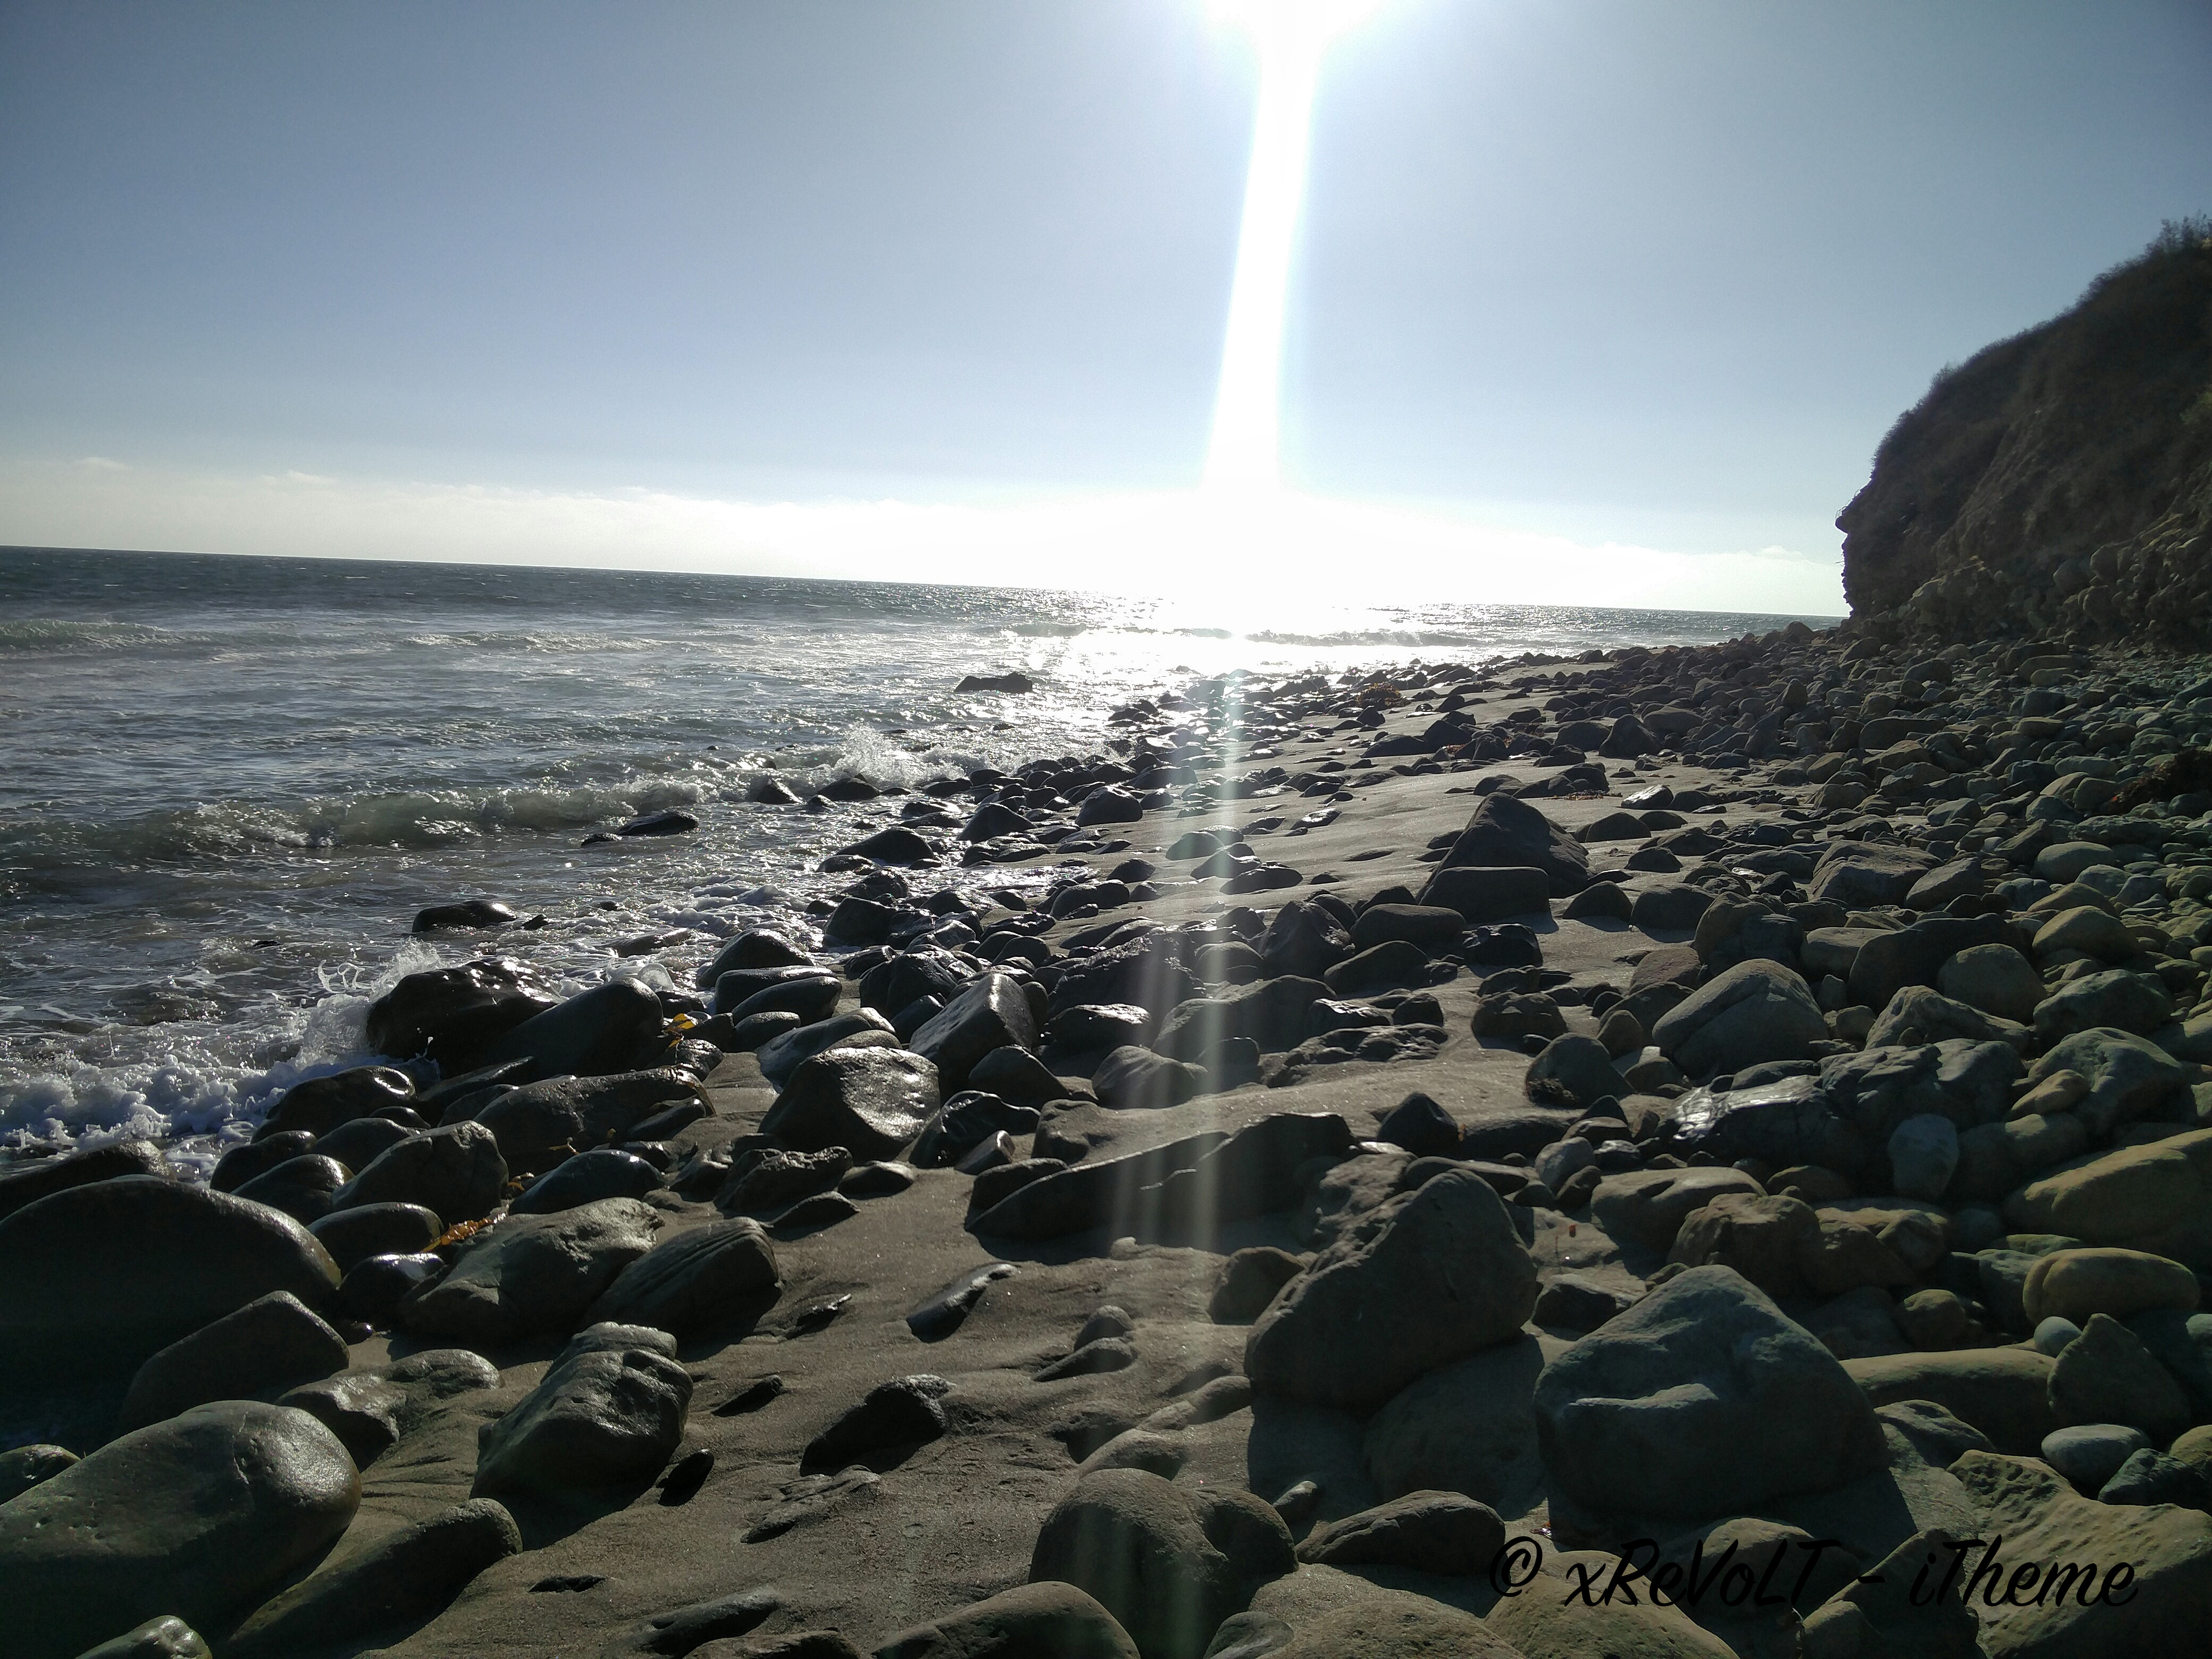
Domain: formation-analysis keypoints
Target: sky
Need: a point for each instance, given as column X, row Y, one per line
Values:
column 1587, row 300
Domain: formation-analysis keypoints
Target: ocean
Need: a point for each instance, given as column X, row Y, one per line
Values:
column 227, row 785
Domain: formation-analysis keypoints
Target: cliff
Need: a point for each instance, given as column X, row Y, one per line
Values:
column 2059, row 482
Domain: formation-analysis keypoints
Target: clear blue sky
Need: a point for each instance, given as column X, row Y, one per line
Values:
column 1661, row 273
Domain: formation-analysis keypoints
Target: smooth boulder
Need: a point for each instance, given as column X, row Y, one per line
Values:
column 200, row 1517
column 607, row 1414
column 272, row 1343
column 531, row 1273
column 1703, row 1400
column 1755, row 1012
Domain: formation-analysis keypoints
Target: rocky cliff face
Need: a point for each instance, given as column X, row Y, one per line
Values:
column 2059, row 482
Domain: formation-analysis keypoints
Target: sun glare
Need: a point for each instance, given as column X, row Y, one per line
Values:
column 1291, row 36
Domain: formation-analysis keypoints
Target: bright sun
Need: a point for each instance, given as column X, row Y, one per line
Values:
column 1291, row 35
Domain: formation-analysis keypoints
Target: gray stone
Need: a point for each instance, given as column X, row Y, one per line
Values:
column 1016, row 1076
column 1703, row 1400
column 26, row 1184
column 1167, row 1564
column 353, row 1236
column 100, row 1276
column 1647, row 1207
column 873, row 1102
column 456, row 1171
column 1029, row 1621
column 889, row 1422
column 689, row 1283
column 200, row 1517
column 23, row 1466
column 596, row 1033
column 1507, row 834
column 164, row 1638
column 1923, row 1152
column 533, row 1273
column 607, row 1414
column 1443, row 1532
column 602, row 1172
column 2090, row 1454
column 402, row 1581
column 1469, row 1427
column 780, row 1057
column 990, row 1012
column 272, row 1343
column 1430, row 1276
column 1755, row 1012
column 2128, row 1076
column 2139, row 1003
column 2106, row 1375
column 1136, row 1079
column 542, row 1124
column 1995, row 978
column 1859, row 875
column 1917, row 1015
column 1579, row 1065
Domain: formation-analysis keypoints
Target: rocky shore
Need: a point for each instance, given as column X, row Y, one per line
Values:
column 1445, row 1138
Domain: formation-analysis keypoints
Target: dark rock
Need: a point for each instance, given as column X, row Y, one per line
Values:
column 1507, row 834
column 776, row 1178
column 256, row 1158
column 542, row 1124
column 896, row 845
column 199, row 1517
column 886, row 1427
column 1480, row 893
column 693, row 1281
column 1012, row 680
column 1701, row 1400
column 454, row 1014
column 1383, row 967
column 594, row 1033
column 101, row 1276
column 607, row 1414
column 1428, row 1277
column 1442, row 1533
column 533, row 1273
column 24, row 1467
column 26, row 1184
column 302, row 1187
column 1421, row 1126
column 807, row 994
column 757, row 947
column 602, row 1172
column 1169, row 1565
column 1755, row 1012
column 943, row 1314
column 871, row 1100
column 270, row 1344
column 969, row 1117
column 468, row 912
column 992, row 1012
column 167, row 1637
column 358, row 1143
column 1860, row 875
column 1250, row 1280
column 456, row 1172
column 399, row 1583
column 1136, row 1079
column 321, row 1103
column 373, row 1289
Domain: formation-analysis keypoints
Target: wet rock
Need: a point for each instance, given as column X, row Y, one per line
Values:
column 167, row 1637
column 533, row 1273
column 542, row 1124
column 757, row 947
column 199, row 1517
column 782, row 1054
column 1168, row 1565
column 272, row 1343
column 596, row 1033
column 944, row 1313
column 607, row 1414
column 776, row 1179
column 602, row 1172
column 404, row 1579
column 691, row 1282
column 100, row 1276
column 26, row 1184
column 357, row 1144
column 1701, row 1400
column 24, row 1467
column 373, row 1289
column 321, row 1104
column 456, row 1172
column 1429, row 1277
column 992, row 1012
column 1016, row 1075
column 301, row 1188
column 455, row 1014
column 873, row 1102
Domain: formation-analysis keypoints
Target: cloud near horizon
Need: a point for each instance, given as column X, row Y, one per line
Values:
column 1216, row 545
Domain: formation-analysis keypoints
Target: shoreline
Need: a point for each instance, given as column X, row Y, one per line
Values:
column 1304, row 1036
